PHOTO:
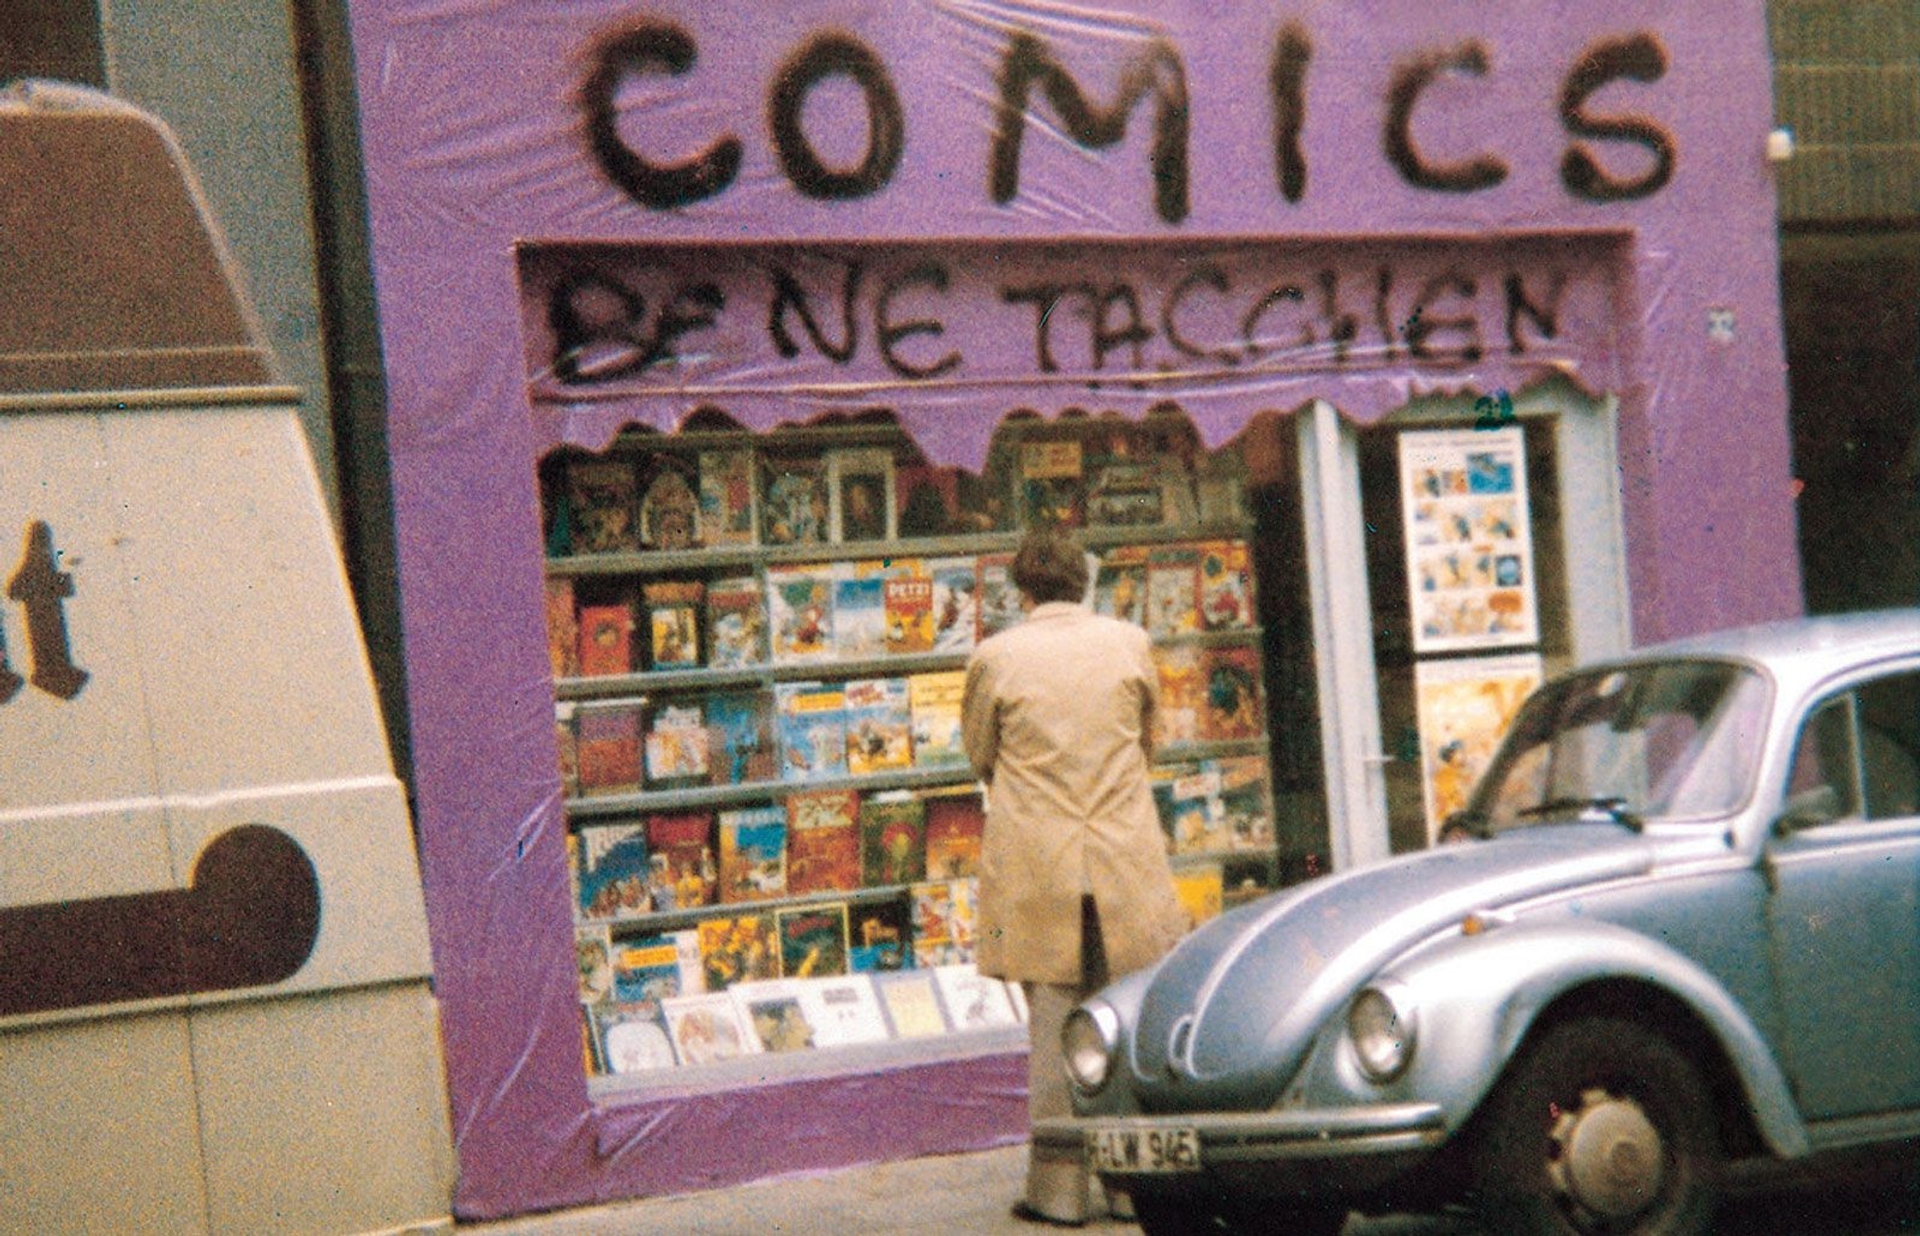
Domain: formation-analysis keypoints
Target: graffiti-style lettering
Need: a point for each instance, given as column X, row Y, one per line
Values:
column 1199, row 276
column 1128, row 330
column 599, row 326
column 1342, row 328
column 1422, row 326
column 1287, row 80
column 1044, row 298
column 1157, row 70
column 1250, row 323
column 833, row 55
column 790, row 296
column 891, row 333
column 1639, row 58
column 1468, row 176
column 1545, row 317
column 646, row 48
column 42, row 589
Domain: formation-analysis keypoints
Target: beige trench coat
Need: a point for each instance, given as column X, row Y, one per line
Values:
column 1058, row 722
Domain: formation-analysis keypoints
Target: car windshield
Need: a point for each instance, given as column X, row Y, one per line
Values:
column 1665, row 740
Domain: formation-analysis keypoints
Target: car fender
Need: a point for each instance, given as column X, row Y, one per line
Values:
column 1476, row 998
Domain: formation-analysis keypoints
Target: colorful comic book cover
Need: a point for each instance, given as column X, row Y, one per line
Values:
column 1182, row 694
column 753, row 853
column 1226, row 586
column 1120, row 584
column 933, row 701
column 1246, row 801
column 813, row 940
column 685, row 873
column 563, row 627
column 736, row 623
column 893, row 839
column 677, row 744
column 955, row 605
column 879, row 726
column 613, row 865
column 673, row 622
column 606, row 639
column 810, row 724
column 1233, row 706
column 669, row 505
column 956, row 825
column 727, row 497
column 608, row 747
column 823, row 841
column 800, row 617
column 906, row 598
column 859, row 610
column 740, row 741
column 880, row 936
column 999, row 600
column 1173, row 590
column 793, row 501
column 944, row 913
column 603, row 498
column 744, row 948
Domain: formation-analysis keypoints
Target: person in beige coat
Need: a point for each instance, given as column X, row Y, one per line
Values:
column 1075, row 888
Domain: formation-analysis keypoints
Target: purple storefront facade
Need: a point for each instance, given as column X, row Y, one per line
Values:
column 953, row 208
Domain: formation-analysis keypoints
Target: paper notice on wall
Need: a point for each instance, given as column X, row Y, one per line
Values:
column 1465, row 707
column 1469, row 550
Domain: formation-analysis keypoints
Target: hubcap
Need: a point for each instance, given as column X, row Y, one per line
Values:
column 1607, row 1156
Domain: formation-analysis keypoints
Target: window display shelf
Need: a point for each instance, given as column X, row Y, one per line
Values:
column 694, row 797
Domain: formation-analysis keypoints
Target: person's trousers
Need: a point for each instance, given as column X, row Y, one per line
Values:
column 1057, row 1176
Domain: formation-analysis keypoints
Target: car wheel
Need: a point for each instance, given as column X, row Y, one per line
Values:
column 1177, row 1216
column 1601, row 1126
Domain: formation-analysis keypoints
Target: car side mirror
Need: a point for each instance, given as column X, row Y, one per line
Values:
column 1808, row 809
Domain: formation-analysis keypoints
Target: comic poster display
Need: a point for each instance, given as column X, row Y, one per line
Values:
column 1465, row 706
column 1469, row 551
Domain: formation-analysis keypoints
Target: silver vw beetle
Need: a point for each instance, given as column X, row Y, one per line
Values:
column 1688, row 935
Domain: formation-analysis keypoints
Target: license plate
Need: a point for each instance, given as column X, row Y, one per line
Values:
column 1144, row 1150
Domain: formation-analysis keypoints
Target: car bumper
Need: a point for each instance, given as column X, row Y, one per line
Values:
column 1328, row 1150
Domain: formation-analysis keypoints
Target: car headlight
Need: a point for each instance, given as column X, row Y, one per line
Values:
column 1088, row 1040
column 1383, row 1028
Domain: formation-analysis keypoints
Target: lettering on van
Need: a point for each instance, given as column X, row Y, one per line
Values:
column 42, row 589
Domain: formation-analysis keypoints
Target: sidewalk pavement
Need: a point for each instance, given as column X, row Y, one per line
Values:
column 957, row 1193
column 952, row 1195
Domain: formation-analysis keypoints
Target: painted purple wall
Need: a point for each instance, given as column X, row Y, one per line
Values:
column 477, row 139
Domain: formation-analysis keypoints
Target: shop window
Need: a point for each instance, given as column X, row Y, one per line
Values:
column 758, row 643
column 1493, row 560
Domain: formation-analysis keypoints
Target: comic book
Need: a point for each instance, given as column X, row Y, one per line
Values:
column 859, row 610
column 810, row 722
column 1233, row 706
column 753, row 853
column 684, row 871
column 879, row 726
column 1182, row 693
column 861, row 494
column 677, row 744
column 813, row 940
column 673, row 622
column 880, row 936
column 728, row 504
column 998, row 599
column 608, row 747
column 906, row 598
column 736, row 623
column 602, row 501
column 1173, row 590
column 606, row 639
column 956, row 824
column 612, row 866
column 1226, row 586
column 743, row 948
column 955, row 603
column 823, row 841
column 793, row 500
column 933, row 701
column 669, row 505
column 800, row 613
column 893, row 839
column 740, row 740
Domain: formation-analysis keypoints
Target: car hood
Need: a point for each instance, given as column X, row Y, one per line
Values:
column 1229, row 1015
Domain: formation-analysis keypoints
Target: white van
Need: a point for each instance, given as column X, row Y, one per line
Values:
column 215, row 1003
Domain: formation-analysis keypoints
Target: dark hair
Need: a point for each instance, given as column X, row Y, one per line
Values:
column 1050, row 566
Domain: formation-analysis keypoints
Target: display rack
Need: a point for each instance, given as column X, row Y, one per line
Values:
column 697, row 517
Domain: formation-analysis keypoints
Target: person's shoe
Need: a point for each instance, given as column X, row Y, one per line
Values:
column 1027, row 1214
